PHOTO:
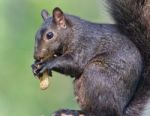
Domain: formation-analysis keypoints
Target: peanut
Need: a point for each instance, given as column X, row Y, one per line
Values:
column 44, row 81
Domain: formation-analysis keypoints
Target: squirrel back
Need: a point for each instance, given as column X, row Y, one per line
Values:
column 132, row 18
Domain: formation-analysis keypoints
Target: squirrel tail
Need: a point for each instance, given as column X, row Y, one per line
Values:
column 133, row 20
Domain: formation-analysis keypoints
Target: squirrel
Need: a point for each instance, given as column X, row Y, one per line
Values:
column 110, row 63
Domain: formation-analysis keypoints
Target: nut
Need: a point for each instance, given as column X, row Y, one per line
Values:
column 44, row 81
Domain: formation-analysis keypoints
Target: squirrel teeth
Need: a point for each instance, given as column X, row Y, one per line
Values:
column 41, row 60
column 55, row 55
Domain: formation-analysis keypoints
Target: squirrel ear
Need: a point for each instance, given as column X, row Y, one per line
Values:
column 44, row 14
column 59, row 18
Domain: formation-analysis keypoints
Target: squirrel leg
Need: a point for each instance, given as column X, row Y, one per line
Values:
column 67, row 112
column 97, row 92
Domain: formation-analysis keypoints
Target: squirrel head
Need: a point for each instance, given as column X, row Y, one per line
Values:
column 52, row 35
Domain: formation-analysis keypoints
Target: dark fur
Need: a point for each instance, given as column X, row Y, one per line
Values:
column 106, row 65
column 133, row 19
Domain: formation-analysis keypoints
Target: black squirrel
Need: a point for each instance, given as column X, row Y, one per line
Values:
column 110, row 62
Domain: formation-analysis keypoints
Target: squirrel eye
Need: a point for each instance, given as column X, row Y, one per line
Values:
column 50, row 35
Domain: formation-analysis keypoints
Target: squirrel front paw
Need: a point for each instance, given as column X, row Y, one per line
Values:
column 34, row 68
column 43, row 68
column 38, row 69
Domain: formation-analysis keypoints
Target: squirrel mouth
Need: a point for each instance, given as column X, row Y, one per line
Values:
column 45, row 59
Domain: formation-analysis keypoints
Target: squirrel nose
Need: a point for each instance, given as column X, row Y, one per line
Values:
column 37, row 57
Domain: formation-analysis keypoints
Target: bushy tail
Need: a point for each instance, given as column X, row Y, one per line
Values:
column 133, row 19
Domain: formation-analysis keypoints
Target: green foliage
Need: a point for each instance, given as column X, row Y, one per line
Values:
column 19, row 90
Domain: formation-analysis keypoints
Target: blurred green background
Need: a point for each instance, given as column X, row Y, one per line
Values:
column 19, row 90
